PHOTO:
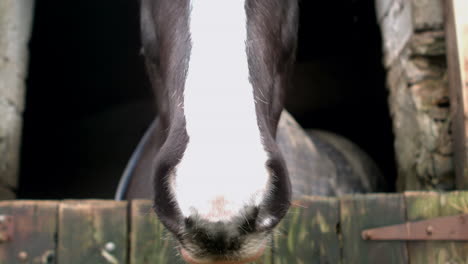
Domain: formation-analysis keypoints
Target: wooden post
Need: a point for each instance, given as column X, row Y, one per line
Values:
column 457, row 57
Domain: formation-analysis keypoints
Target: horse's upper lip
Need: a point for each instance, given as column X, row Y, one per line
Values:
column 188, row 258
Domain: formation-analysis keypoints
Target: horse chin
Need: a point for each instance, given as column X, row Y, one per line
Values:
column 247, row 259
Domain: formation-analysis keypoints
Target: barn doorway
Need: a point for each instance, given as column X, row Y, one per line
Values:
column 88, row 101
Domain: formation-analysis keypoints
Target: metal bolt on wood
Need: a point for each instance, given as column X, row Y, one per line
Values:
column 429, row 230
column 110, row 246
column 366, row 235
column 6, row 228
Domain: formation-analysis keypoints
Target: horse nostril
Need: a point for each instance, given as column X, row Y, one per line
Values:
column 211, row 238
column 189, row 222
column 250, row 221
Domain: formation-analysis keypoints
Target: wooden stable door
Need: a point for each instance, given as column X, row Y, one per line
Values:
column 316, row 230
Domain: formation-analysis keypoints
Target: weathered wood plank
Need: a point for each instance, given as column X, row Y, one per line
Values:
column 456, row 27
column 34, row 230
column 370, row 211
column 92, row 232
column 453, row 204
column 150, row 242
column 96, row 231
column 422, row 206
column 308, row 234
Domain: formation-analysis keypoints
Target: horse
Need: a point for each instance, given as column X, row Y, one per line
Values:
column 223, row 160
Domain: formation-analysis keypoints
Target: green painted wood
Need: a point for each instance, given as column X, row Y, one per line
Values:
column 422, row 206
column 308, row 233
column 33, row 234
column 267, row 257
column 454, row 203
column 361, row 212
column 92, row 232
column 150, row 242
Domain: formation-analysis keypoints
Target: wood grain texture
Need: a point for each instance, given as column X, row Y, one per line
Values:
column 316, row 230
column 150, row 242
column 422, row 206
column 456, row 27
column 454, row 203
column 308, row 234
column 92, row 232
column 34, row 231
column 361, row 212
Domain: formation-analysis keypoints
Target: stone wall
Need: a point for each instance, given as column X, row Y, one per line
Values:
column 415, row 58
column 15, row 28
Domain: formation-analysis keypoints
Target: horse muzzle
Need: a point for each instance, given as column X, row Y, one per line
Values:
column 242, row 260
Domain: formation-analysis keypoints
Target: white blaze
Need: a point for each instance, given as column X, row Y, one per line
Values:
column 223, row 168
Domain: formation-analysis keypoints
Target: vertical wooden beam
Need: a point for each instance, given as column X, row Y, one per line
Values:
column 33, row 233
column 456, row 27
column 92, row 232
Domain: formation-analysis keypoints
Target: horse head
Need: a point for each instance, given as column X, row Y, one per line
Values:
column 219, row 70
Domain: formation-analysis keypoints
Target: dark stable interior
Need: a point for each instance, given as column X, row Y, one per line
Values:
column 89, row 102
